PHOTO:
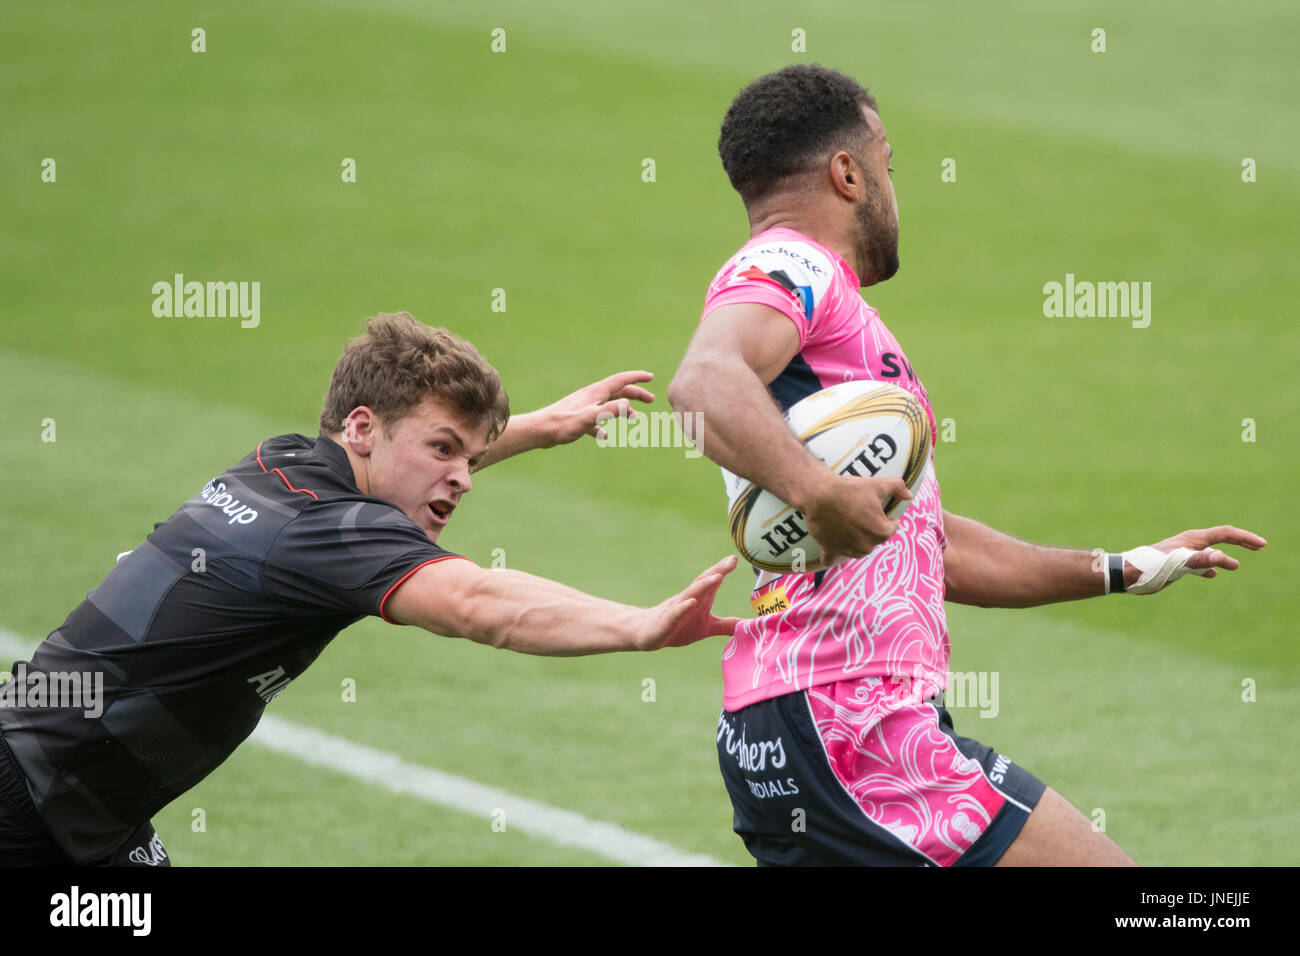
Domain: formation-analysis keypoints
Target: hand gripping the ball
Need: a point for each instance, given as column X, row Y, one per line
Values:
column 848, row 519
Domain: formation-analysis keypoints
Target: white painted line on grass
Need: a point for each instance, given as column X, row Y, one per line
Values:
column 389, row 771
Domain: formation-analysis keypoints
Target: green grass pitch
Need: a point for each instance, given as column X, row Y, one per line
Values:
column 522, row 170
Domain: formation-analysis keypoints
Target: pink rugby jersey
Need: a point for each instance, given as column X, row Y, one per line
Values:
column 880, row 615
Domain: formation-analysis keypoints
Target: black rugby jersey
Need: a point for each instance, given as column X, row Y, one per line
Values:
column 195, row 631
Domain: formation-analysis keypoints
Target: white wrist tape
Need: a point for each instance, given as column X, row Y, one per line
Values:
column 1158, row 569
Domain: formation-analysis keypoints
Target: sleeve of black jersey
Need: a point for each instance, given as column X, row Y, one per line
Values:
column 345, row 557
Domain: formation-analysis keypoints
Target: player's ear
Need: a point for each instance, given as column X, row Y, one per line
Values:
column 846, row 175
column 360, row 429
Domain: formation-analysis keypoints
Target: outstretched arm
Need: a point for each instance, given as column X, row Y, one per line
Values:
column 987, row 568
column 532, row 615
column 571, row 417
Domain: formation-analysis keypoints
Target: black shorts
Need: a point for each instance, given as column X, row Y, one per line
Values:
column 864, row 773
column 25, row 840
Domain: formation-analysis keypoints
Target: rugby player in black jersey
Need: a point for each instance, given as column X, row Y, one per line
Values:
column 301, row 538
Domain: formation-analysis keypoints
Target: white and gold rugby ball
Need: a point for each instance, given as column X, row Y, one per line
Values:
column 866, row 429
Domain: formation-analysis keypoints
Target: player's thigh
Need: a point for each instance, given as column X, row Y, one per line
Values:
column 1056, row 834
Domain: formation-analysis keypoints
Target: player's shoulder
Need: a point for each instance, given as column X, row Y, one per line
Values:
column 299, row 469
column 787, row 249
column 317, row 474
column 309, row 483
column 783, row 257
column 784, row 251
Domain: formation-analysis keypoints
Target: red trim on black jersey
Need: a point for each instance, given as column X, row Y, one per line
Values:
column 302, row 491
column 407, row 575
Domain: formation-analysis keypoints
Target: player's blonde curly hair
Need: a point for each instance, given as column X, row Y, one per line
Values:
column 398, row 362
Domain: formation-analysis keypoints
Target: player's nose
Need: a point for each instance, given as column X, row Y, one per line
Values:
column 459, row 479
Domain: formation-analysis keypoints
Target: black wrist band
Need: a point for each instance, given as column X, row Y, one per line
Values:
column 1115, row 568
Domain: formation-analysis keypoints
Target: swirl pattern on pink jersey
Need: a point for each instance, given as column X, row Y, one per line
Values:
column 881, row 615
column 886, row 749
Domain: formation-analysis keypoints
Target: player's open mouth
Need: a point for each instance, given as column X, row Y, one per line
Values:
column 441, row 511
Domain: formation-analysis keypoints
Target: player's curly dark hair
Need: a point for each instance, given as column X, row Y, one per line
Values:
column 781, row 121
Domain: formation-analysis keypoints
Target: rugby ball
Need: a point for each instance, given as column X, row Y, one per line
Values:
column 866, row 429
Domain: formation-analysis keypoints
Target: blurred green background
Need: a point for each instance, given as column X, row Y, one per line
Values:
column 521, row 171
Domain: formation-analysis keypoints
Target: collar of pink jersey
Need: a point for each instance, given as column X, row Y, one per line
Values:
column 785, row 232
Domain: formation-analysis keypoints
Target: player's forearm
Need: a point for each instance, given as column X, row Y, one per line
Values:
column 729, row 414
column 988, row 568
column 522, row 433
column 531, row 615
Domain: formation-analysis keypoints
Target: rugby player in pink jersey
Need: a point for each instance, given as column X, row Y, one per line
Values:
column 833, row 740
